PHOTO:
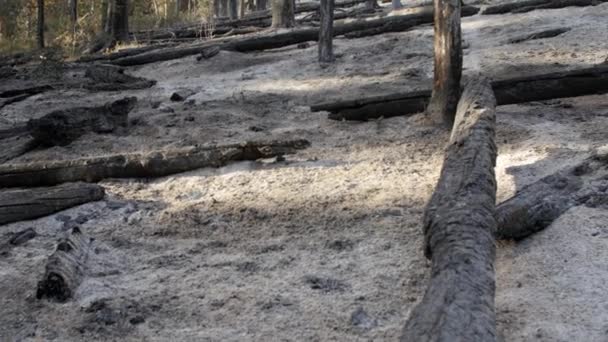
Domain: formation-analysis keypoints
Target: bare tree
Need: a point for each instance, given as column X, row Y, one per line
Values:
column 326, row 53
column 120, row 20
column 283, row 13
column 448, row 62
column 40, row 25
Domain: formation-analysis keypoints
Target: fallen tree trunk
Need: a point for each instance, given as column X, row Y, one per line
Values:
column 123, row 53
column 531, row 5
column 572, row 83
column 65, row 268
column 27, row 204
column 151, row 164
column 537, row 205
column 112, row 78
column 29, row 91
column 417, row 16
column 61, row 127
column 459, row 228
column 539, row 35
column 13, row 147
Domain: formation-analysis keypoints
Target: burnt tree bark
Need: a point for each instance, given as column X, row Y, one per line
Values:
column 120, row 20
column 459, row 227
column 233, row 6
column 326, row 32
column 28, row 204
column 65, row 268
column 73, row 7
column 40, row 25
column 61, row 127
column 419, row 16
column 572, row 83
column 536, row 206
column 283, row 13
column 448, row 62
column 150, row 164
column 224, row 11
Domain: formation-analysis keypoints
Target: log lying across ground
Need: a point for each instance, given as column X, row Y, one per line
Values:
column 537, row 205
column 539, row 35
column 415, row 17
column 65, row 268
column 531, row 5
column 15, row 95
column 112, row 78
column 151, row 164
column 588, row 81
column 13, row 147
column 26, row 204
column 61, row 127
column 459, row 228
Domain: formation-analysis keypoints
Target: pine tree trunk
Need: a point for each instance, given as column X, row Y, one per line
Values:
column 261, row 5
column 234, row 8
column 326, row 53
column 448, row 62
column 40, row 25
column 283, row 13
column 120, row 21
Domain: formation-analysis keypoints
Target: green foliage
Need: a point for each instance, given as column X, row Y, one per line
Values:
column 18, row 21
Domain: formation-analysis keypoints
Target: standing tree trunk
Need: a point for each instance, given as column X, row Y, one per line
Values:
column 261, row 5
column 106, row 16
column 326, row 51
column 448, row 62
column 371, row 4
column 459, row 227
column 216, row 8
column 40, row 25
column 234, row 8
column 73, row 12
column 397, row 4
column 224, row 8
column 283, row 13
column 120, row 22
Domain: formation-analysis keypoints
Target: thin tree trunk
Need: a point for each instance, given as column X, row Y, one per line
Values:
column 234, row 8
column 448, row 62
column 120, row 22
column 243, row 6
column 326, row 52
column 459, row 228
column 261, row 5
column 104, row 15
column 224, row 8
column 73, row 12
column 216, row 8
column 40, row 25
column 283, row 13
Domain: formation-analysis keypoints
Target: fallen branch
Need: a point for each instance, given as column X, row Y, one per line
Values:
column 537, row 205
column 539, row 35
column 65, row 268
column 531, row 5
column 416, row 16
column 151, row 164
column 28, row 204
column 61, row 127
column 572, row 83
column 459, row 228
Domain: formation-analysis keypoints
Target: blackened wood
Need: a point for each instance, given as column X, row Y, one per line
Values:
column 151, row 164
column 61, row 127
column 531, row 5
column 21, row 237
column 40, row 25
column 536, row 206
column 112, row 78
column 588, row 81
column 417, row 16
column 448, row 62
column 459, row 227
column 539, row 35
column 65, row 268
column 28, row 204
column 326, row 51
column 14, row 146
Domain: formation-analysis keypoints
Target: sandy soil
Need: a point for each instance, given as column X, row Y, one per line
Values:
column 326, row 245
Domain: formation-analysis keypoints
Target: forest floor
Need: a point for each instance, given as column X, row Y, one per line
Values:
column 325, row 245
